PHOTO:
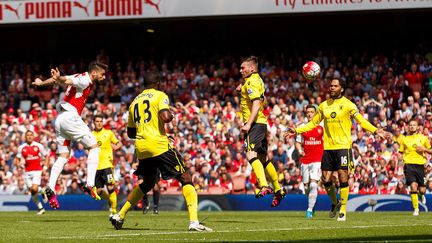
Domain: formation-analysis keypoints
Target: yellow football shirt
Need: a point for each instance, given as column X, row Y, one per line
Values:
column 104, row 139
column 408, row 147
column 398, row 139
column 337, row 115
column 252, row 89
column 151, row 139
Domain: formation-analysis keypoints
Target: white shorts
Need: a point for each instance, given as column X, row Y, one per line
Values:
column 33, row 177
column 311, row 171
column 69, row 126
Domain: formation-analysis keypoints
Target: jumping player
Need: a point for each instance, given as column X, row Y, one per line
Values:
column 70, row 127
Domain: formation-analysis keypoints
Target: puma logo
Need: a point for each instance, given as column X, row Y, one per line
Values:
column 85, row 8
column 153, row 4
column 10, row 8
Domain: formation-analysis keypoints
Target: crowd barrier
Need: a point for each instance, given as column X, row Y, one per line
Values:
column 246, row 202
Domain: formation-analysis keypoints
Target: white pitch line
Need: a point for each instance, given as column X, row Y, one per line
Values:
column 234, row 231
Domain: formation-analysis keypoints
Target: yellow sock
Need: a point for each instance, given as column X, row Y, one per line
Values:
column 257, row 190
column 414, row 199
column 259, row 172
column 344, row 193
column 331, row 192
column 113, row 202
column 133, row 199
column 271, row 172
column 191, row 198
column 125, row 209
column 104, row 195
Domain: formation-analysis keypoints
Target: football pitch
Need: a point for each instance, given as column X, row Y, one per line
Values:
column 170, row 226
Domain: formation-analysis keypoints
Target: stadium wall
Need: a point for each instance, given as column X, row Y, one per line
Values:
column 362, row 203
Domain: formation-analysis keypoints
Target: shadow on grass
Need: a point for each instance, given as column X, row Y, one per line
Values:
column 132, row 229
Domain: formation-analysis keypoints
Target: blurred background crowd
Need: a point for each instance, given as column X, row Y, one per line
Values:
column 389, row 90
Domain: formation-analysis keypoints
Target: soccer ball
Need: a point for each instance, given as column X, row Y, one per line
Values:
column 311, row 70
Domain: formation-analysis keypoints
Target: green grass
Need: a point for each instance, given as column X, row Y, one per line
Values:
column 171, row 226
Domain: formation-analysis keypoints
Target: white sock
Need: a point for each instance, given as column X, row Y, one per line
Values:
column 194, row 223
column 92, row 164
column 312, row 197
column 55, row 171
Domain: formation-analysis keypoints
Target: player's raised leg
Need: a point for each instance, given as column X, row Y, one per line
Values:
column 80, row 132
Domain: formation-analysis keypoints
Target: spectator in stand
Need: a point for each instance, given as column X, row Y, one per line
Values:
column 414, row 78
column 226, row 183
column 401, row 189
column 429, row 187
column 384, row 189
column 79, row 151
column 367, row 187
column 353, row 185
column 74, row 188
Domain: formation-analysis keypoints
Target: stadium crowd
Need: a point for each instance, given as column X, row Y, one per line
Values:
column 389, row 91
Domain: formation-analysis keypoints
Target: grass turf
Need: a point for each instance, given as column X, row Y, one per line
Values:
column 172, row 226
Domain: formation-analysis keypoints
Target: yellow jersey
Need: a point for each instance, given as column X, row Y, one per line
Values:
column 398, row 139
column 151, row 139
column 337, row 115
column 104, row 139
column 408, row 147
column 252, row 89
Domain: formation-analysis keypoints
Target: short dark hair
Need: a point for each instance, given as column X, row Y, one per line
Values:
column 29, row 131
column 95, row 65
column 311, row 106
column 98, row 116
column 151, row 78
column 252, row 59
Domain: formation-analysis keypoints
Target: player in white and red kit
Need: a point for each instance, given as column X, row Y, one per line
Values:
column 69, row 125
column 311, row 148
column 29, row 157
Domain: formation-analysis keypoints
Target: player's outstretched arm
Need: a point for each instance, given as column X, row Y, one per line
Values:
column 39, row 82
column 55, row 77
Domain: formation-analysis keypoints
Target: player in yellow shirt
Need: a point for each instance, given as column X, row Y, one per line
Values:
column 148, row 113
column 413, row 148
column 337, row 113
column 107, row 142
column 252, row 104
